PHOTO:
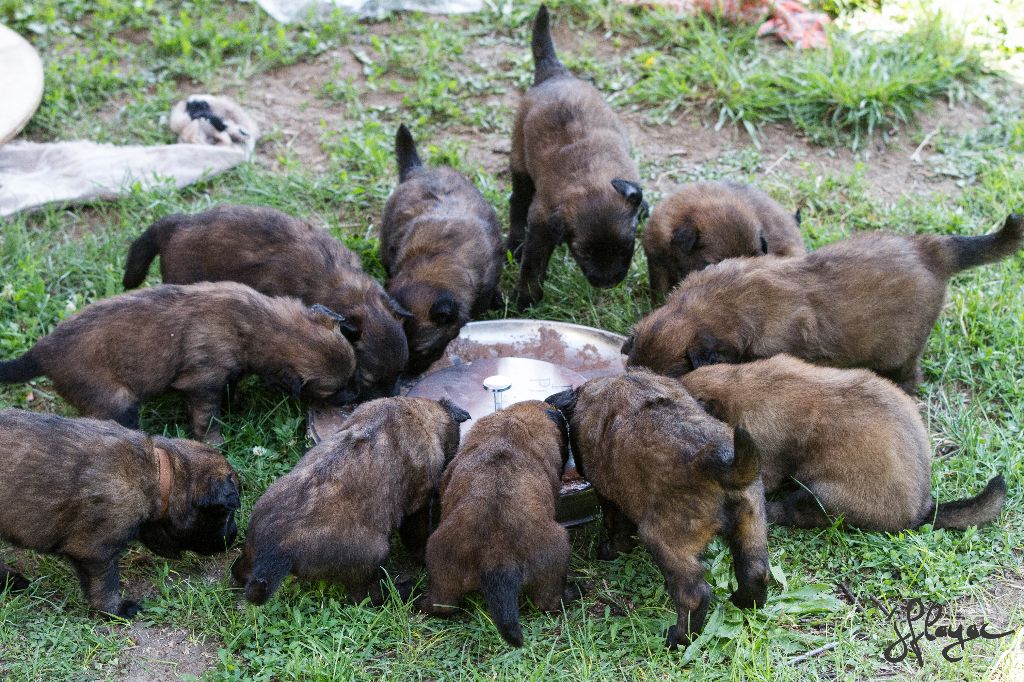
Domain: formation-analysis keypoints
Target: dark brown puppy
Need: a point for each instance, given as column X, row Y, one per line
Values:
column 332, row 516
column 869, row 301
column 498, row 532
column 703, row 223
column 86, row 489
column 573, row 180
column 279, row 255
column 441, row 244
column 119, row 352
column 665, row 470
column 838, row 442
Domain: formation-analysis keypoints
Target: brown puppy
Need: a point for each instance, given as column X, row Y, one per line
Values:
column 665, row 470
column 869, row 301
column 703, row 223
column 332, row 516
column 573, row 180
column 121, row 351
column 853, row 443
column 279, row 255
column 498, row 531
column 86, row 489
column 441, row 244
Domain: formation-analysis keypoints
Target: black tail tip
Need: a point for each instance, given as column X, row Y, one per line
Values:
column 996, row 486
column 1014, row 223
column 513, row 634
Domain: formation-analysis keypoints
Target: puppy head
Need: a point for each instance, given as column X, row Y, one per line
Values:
column 436, row 318
column 203, row 500
column 628, row 414
column 320, row 364
column 676, row 339
column 708, row 231
column 373, row 325
column 600, row 228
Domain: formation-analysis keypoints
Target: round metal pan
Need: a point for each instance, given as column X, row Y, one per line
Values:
column 568, row 354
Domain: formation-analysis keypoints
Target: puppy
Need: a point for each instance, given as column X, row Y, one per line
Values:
column 441, row 244
column 119, row 352
column 279, row 255
column 703, row 223
column 498, row 532
column 852, row 442
column 665, row 470
column 332, row 516
column 869, row 301
column 86, row 489
column 573, row 180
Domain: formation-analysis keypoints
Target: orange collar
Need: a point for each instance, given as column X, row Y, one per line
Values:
column 163, row 464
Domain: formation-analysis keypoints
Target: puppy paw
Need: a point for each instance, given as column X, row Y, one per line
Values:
column 128, row 608
column 605, row 551
column 15, row 582
column 677, row 637
column 747, row 599
column 572, row 592
column 404, row 588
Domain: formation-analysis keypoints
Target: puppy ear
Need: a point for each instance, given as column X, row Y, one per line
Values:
column 712, row 407
column 565, row 401
column 400, row 311
column 630, row 191
column 627, row 345
column 445, row 309
column 708, row 350
column 685, row 237
column 222, row 493
column 457, row 413
column 327, row 317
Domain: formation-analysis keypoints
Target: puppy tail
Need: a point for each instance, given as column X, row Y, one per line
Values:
column 405, row 153
column 20, row 370
column 744, row 465
column 972, row 511
column 144, row 249
column 969, row 252
column 545, row 61
column 268, row 572
column 500, row 587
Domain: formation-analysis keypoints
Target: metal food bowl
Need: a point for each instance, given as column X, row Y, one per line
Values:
column 539, row 358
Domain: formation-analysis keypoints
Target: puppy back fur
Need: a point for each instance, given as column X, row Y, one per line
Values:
column 279, row 255
column 498, row 531
column 704, row 223
column 332, row 516
column 666, row 471
column 442, row 246
column 568, row 148
column 854, row 440
column 868, row 301
column 93, row 487
column 126, row 349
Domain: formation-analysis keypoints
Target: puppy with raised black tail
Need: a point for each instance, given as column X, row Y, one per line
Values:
column 573, row 181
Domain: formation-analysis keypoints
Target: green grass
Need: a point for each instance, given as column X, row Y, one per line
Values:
column 114, row 66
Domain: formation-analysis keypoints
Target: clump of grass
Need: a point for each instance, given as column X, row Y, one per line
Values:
column 857, row 85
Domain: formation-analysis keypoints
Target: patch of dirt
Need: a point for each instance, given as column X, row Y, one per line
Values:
column 285, row 103
column 890, row 167
column 162, row 653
